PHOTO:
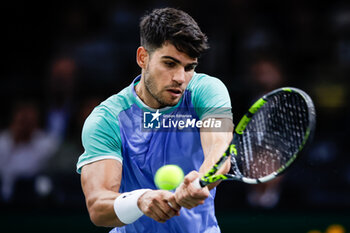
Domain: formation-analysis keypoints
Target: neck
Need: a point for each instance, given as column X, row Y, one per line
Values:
column 145, row 96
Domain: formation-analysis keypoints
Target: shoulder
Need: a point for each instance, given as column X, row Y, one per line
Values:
column 201, row 80
column 112, row 106
column 105, row 116
column 203, row 84
column 209, row 95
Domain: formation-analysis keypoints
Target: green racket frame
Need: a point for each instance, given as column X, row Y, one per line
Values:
column 210, row 177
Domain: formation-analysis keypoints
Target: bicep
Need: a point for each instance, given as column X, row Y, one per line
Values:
column 101, row 175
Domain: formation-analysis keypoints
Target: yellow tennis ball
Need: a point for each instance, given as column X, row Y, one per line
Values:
column 168, row 177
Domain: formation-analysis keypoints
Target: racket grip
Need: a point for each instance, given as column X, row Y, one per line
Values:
column 196, row 183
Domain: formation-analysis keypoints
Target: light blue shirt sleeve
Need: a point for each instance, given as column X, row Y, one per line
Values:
column 100, row 138
column 210, row 97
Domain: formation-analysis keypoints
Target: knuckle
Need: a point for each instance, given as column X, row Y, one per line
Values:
column 148, row 211
column 192, row 195
column 170, row 212
column 163, row 218
column 182, row 203
column 154, row 201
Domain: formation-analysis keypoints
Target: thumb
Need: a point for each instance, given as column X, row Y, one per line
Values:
column 190, row 177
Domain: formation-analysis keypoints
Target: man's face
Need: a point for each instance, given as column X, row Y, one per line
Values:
column 167, row 75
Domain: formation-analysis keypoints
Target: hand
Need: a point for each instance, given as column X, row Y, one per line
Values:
column 187, row 195
column 159, row 205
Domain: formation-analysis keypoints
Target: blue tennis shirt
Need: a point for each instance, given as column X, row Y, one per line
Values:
column 122, row 128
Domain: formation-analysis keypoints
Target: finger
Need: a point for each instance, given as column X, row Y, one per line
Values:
column 198, row 193
column 152, row 207
column 194, row 201
column 171, row 206
column 190, row 177
column 177, row 212
column 164, row 206
column 154, row 214
column 196, row 183
column 167, row 209
column 188, row 200
column 187, row 204
column 189, row 195
column 174, row 205
column 164, row 211
column 180, row 193
column 158, row 214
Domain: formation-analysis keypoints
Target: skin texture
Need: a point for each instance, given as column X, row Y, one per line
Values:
column 214, row 144
column 166, row 73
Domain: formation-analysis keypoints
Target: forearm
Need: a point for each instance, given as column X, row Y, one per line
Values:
column 112, row 210
column 208, row 164
column 101, row 209
column 214, row 144
column 100, row 183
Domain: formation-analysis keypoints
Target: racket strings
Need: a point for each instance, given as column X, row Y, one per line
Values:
column 273, row 136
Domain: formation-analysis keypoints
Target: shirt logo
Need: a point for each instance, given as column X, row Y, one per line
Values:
column 177, row 121
column 151, row 120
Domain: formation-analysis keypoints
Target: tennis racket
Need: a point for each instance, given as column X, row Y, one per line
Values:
column 267, row 139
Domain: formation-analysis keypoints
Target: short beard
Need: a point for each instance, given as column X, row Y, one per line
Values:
column 150, row 87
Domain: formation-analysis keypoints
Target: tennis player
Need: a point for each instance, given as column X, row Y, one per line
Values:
column 122, row 154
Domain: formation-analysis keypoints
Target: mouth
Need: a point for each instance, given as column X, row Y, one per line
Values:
column 175, row 92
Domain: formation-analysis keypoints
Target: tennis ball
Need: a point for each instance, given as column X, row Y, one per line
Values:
column 168, row 177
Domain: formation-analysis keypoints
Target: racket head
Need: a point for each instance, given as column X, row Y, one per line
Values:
column 271, row 134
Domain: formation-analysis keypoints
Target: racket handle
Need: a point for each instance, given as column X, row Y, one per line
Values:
column 197, row 184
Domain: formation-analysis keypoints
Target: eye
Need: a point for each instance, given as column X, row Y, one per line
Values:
column 190, row 68
column 169, row 64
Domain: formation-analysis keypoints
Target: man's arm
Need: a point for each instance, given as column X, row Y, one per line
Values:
column 214, row 144
column 101, row 182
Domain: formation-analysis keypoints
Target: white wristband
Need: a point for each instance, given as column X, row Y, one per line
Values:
column 126, row 208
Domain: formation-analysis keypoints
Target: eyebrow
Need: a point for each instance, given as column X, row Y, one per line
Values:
column 179, row 62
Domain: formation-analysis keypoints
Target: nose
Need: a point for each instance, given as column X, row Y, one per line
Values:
column 179, row 76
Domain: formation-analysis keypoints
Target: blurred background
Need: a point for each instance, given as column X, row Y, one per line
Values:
column 61, row 59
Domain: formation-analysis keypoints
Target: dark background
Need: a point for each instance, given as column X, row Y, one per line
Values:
column 66, row 57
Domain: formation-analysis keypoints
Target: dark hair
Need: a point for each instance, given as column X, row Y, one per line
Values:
column 174, row 26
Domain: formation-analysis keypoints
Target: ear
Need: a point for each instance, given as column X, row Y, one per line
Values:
column 142, row 57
